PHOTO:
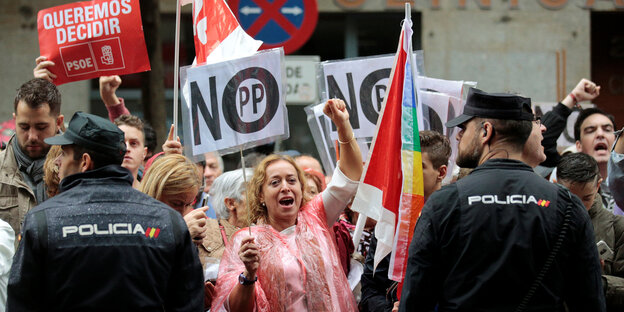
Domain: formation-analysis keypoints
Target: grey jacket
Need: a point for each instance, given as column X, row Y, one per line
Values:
column 16, row 197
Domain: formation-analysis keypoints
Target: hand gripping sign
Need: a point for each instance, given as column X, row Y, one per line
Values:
column 93, row 38
column 235, row 104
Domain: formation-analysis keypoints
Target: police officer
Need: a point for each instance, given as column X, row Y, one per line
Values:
column 502, row 238
column 100, row 245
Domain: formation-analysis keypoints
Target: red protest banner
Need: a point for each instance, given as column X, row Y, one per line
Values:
column 93, row 38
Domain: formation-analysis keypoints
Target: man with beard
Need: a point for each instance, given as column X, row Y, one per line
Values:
column 100, row 245
column 502, row 238
column 37, row 116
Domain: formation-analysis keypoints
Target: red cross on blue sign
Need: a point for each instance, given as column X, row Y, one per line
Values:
column 287, row 23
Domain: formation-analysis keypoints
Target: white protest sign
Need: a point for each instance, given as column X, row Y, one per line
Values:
column 234, row 104
column 320, row 128
column 437, row 105
column 301, row 79
column 361, row 83
column 327, row 148
column 449, row 87
column 441, row 108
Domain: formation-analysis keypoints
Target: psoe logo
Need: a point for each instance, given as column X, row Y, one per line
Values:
column 109, row 229
column 507, row 199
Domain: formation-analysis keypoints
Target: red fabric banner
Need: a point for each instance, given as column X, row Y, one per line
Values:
column 93, row 38
column 212, row 23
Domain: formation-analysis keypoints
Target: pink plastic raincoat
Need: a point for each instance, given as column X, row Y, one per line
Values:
column 298, row 271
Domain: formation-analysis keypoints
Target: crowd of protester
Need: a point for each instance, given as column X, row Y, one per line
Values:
column 93, row 218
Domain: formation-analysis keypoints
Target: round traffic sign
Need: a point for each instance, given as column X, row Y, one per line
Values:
column 287, row 23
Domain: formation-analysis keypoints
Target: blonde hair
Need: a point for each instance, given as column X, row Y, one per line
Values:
column 170, row 175
column 50, row 171
column 257, row 211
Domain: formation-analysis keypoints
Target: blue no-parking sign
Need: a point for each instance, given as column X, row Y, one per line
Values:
column 287, row 23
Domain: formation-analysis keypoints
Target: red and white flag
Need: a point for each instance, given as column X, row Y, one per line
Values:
column 218, row 35
column 391, row 189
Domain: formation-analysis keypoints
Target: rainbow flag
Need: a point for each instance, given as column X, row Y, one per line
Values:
column 391, row 189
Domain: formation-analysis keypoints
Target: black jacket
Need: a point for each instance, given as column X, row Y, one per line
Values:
column 100, row 245
column 378, row 291
column 480, row 243
column 555, row 122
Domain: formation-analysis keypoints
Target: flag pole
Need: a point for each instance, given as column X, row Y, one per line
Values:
column 408, row 11
column 359, row 227
column 410, row 55
column 244, row 176
column 176, row 69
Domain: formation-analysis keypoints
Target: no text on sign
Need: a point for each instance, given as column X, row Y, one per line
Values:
column 287, row 23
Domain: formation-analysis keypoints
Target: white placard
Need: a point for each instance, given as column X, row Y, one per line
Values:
column 361, row 83
column 234, row 104
column 450, row 87
column 301, row 79
column 440, row 108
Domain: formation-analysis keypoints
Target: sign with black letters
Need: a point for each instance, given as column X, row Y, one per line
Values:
column 361, row 83
column 234, row 104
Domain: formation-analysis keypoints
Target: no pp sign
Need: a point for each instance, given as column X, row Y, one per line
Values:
column 234, row 104
column 93, row 38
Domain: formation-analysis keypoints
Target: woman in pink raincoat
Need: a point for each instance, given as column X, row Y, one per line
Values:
column 290, row 262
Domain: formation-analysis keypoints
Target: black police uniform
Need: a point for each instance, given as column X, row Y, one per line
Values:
column 480, row 243
column 100, row 245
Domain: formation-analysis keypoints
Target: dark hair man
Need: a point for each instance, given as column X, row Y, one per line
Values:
column 594, row 135
column 555, row 120
column 580, row 174
column 481, row 243
column 100, row 245
column 379, row 292
column 132, row 126
column 533, row 152
column 37, row 116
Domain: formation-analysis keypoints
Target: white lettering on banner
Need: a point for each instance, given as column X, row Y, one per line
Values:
column 243, row 94
column 79, row 64
column 80, row 23
column 88, row 31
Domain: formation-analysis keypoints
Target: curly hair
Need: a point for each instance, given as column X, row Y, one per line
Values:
column 170, row 175
column 256, row 211
column 50, row 171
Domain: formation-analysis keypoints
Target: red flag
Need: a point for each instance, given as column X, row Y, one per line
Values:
column 218, row 35
column 391, row 192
